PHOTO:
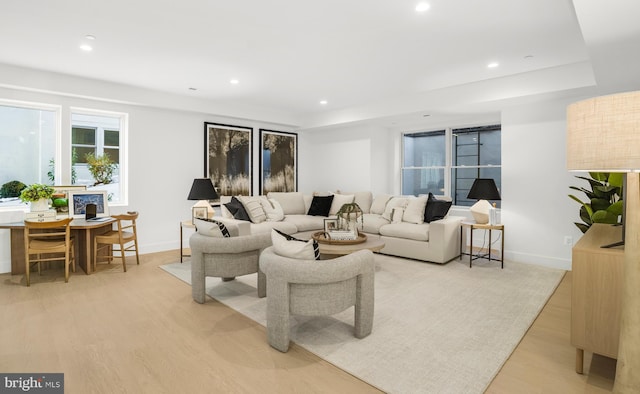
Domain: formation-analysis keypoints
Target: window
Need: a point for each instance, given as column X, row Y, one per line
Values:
column 98, row 144
column 30, row 149
column 430, row 166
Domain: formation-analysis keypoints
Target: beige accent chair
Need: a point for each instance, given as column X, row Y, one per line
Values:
column 225, row 258
column 125, row 236
column 48, row 241
column 317, row 288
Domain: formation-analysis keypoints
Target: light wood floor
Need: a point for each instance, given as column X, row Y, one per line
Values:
column 140, row 332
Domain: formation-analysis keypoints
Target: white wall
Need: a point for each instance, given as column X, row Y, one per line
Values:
column 536, row 210
column 166, row 152
column 346, row 158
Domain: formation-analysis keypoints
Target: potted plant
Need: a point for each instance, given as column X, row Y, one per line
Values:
column 38, row 196
column 349, row 215
column 605, row 199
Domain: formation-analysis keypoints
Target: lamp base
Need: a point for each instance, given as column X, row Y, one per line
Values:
column 205, row 204
column 480, row 211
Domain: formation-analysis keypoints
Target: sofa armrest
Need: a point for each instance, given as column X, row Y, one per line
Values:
column 446, row 232
column 243, row 227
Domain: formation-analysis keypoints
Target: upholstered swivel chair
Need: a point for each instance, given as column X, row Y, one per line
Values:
column 125, row 236
column 48, row 241
column 317, row 288
column 225, row 258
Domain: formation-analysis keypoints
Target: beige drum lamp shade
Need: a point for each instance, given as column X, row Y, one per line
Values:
column 603, row 134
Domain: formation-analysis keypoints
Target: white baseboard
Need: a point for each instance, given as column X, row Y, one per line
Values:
column 545, row 261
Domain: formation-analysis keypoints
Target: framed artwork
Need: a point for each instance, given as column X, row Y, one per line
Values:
column 198, row 213
column 61, row 194
column 278, row 161
column 330, row 225
column 227, row 158
column 78, row 200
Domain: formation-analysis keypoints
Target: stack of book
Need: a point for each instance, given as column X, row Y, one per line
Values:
column 343, row 235
column 41, row 216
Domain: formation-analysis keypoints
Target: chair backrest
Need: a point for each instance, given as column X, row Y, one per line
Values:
column 126, row 221
column 50, row 229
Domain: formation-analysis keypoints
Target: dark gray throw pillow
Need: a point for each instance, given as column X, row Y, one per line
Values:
column 320, row 206
column 236, row 208
column 435, row 209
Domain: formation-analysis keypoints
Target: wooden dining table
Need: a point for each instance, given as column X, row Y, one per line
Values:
column 83, row 232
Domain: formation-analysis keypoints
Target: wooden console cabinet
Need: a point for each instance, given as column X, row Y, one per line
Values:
column 596, row 292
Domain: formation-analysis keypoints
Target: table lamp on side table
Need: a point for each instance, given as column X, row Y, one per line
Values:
column 603, row 135
column 203, row 191
column 483, row 190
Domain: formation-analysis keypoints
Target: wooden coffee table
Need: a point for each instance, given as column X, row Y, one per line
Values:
column 338, row 249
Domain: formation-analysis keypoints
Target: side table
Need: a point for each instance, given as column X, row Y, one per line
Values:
column 183, row 224
column 477, row 226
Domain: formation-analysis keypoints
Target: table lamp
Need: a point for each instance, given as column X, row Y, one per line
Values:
column 603, row 135
column 483, row 189
column 203, row 191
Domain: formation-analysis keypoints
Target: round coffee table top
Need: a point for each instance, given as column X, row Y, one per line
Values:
column 374, row 244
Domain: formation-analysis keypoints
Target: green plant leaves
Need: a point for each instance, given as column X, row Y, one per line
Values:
column 604, row 199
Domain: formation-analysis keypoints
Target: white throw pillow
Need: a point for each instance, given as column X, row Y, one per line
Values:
column 287, row 246
column 291, row 202
column 225, row 212
column 212, row 228
column 414, row 211
column 379, row 203
column 399, row 202
column 273, row 210
column 338, row 201
column 397, row 214
column 254, row 208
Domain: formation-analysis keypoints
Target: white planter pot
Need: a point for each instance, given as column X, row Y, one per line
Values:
column 40, row 205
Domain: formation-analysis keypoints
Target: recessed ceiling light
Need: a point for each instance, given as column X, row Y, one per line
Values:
column 324, row 102
column 493, row 64
column 529, row 57
column 422, row 7
column 193, row 89
column 86, row 48
column 90, row 37
column 234, row 81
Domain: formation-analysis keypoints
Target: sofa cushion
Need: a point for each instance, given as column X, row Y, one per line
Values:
column 253, row 206
column 372, row 222
column 436, row 209
column 379, row 203
column 306, row 222
column 273, row 210
column 212, row 228
column 394, row 202
column 414, row 211
column 266, row 227
column 418, row 232
column 363, row 199
column 237, row 209
column 320, row 206
column 292, row 203
column 294, row 248
column 338, row 201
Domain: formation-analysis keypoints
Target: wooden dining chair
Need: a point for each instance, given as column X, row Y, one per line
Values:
column 48, row 241
column 125, row 236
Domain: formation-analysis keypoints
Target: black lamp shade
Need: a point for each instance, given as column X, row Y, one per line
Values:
column 202, row 189
column 484, row 189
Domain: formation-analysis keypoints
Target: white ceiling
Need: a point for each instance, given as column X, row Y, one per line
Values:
column 373, row 58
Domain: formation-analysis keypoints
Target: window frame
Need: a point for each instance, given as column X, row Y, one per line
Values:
column 123, row 164
column 57, row 156
column 449, row 166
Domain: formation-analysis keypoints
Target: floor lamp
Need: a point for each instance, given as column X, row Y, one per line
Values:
column 603, row 135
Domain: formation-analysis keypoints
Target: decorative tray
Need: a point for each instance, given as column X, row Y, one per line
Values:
column 322, row 237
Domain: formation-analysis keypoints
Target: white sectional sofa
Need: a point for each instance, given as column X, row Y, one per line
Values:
column 397, row 220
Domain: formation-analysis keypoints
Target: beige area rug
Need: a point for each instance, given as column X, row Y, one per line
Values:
column 437, row 328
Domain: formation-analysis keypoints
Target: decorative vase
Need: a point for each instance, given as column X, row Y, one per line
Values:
column 40, row 205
